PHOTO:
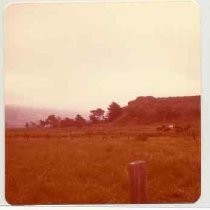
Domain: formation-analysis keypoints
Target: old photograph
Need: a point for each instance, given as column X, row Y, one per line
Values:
column 102, row 102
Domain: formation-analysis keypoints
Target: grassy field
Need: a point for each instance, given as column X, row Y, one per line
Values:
column 90, row 165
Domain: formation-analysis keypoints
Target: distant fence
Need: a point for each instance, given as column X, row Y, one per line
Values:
column 138, row 182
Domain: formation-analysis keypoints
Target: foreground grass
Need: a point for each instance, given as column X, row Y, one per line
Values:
column 91, row 169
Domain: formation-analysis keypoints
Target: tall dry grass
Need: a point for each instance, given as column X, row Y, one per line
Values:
column 89, row 165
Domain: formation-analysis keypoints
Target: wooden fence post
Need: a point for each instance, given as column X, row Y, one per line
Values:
column 137, row 172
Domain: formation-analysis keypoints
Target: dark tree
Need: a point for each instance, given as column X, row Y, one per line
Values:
column 67, row 122
column 93, row 119
column 97, row 115
column 79, row 120
column 42, row 123
column 53, row 121
column 114, row 111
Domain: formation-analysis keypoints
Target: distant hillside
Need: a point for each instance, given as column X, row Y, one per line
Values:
column 141, row 110
column 17, row 116
column 169, row 109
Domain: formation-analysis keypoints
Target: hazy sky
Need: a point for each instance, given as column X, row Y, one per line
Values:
column 81, row 56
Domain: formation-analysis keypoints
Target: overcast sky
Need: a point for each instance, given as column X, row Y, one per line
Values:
column 83, row 56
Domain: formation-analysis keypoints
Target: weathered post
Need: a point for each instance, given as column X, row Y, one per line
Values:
column 137, row 171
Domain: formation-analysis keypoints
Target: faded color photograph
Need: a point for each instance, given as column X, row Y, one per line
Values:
column 102, row 103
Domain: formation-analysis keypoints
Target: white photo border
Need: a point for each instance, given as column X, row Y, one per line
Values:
column 204, row 200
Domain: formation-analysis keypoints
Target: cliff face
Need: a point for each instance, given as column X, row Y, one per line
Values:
column 170, row 109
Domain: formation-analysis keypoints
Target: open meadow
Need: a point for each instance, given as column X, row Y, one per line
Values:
column 89, row 165
column 102, row 102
